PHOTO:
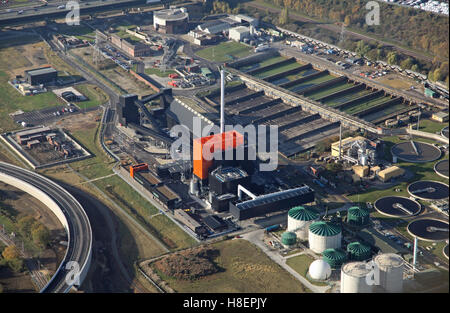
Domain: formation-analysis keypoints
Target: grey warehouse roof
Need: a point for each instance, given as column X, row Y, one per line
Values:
column 273, row 197
column 40, row 71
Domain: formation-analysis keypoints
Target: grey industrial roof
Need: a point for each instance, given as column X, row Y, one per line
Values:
column 40, row 71
column 273, row 197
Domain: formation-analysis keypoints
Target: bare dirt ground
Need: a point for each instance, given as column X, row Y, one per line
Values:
column 25, row 57
column 79, row 121
column 115, row 74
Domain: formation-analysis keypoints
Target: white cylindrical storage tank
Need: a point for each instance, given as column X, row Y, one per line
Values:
column 324, row 235
column 390, row 267
column 299, row 220
column 353, row 278
column 319, row 270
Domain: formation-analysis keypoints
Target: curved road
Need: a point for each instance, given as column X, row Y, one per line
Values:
column 79, row 229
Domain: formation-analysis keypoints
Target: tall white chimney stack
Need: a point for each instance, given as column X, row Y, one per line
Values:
column 222, row 101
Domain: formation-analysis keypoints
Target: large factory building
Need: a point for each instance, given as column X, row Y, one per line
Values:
column 277, row 201
column 42, row 75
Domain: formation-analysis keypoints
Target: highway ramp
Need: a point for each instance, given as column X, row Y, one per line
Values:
column 70, row 213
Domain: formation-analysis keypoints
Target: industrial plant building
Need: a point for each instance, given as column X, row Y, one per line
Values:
column 171, row 21
column 136, row 49
column 273, row 202
column 43, row 75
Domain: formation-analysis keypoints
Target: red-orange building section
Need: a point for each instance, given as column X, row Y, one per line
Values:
column 138, row 167
column 206, row 146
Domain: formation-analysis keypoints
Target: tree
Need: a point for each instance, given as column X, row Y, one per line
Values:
column 40, row 235
column 284, row 17
column 407, row 63
column 361, row 48
column 334, row 167
column 16, row 265
column 25, row 223
column 347, row 20
column 392, row 58
column 10, row 253
column 1, row 288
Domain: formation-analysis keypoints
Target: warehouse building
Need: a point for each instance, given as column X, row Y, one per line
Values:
column 239, row 33
column 171, row 21
column 277, row 201
column 133, row 49
column 187, row 220
column 390, row 173
column 43, row 75
column 440, row 117
column 166, row 197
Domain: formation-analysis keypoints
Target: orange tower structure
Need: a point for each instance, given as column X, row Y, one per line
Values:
column 205, row 147
column 138, row 167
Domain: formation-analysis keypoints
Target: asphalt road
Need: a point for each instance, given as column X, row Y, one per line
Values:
column 79, row 228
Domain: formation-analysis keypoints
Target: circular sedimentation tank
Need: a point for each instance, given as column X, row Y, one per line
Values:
column 416, row 152
column 444, row 132
column 445, row 251
column 390, row 266
column 324, row 235
column 299, row 219
column 441, row 168
column 358, row 251
column 428, row 190
column 353, row 278
column 334, row 257
column 395, row 206
column 288, row 238
column 319, row 270
column 429, row 229
column 358, row 216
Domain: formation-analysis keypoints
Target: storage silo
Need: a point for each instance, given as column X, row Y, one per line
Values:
column 358, row 216
column 324, row 235
column 334, row 257
column 288, row 239
column 353, row 278
column 299, row 219
column 319, row 270
column 390, row 266
column 358, row 251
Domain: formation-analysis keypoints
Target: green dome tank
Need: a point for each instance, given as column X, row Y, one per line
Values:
column 358, row 251
column 288, row 238
column 326, row 229
column 302, row 214
column 358, row 216
column 334, row 257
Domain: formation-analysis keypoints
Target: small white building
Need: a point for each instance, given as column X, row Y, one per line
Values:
column 239, row 33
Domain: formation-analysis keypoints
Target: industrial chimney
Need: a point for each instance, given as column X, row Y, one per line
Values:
column 222, row 101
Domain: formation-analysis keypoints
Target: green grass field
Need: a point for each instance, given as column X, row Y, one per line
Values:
column 158, row 72
column 300, row 264
column 430, row 126
column 225, row 52
column 95, row 95
column 11, row 100
column 245, row 269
